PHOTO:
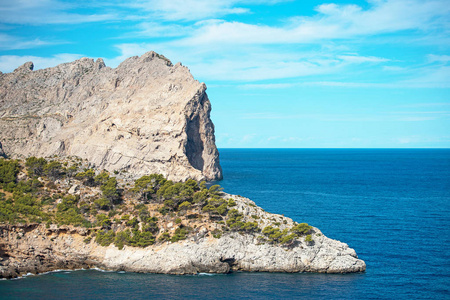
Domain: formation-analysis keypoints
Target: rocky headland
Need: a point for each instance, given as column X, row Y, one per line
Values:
column 145, row 116
column 33, row 248
column 119, row 188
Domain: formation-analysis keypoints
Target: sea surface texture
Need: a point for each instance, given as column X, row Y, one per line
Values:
column 392, row 206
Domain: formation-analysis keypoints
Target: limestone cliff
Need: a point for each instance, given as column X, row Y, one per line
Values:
column 145, row 116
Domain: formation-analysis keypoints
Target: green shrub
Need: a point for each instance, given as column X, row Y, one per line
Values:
column 105, row 237
column 103, row 204
column 8, row 171
column 180, row 234
column 54, row 170
column 122, row 238
column 148, row 185
column 165, row 237
column 215, row 190
column 133, row 223
column 231, row 202
column 217, row 233
column 287, row 239
column 235, row 222
column 101, row 178
column 88, row 177
column 35, row 166
column 275, row 235
column 110, row 191
column 301, row 229
column 184, row 206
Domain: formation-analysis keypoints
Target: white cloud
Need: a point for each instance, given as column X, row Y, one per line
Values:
column 438, row 58
column 236, row 51
column 332, row 22
column 362, row 59
column 8, row 42
column 189, row 9
column 154, row 29
column 39, row 12
column 9, row 63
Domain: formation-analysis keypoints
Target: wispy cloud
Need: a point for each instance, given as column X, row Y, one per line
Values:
column 221, row 50
column 333, row 22
column 8, row 42
column 189, row 10
column 439, row 58
column 40, row 12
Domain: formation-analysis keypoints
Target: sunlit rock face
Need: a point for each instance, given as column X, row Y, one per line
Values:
column 145, row 116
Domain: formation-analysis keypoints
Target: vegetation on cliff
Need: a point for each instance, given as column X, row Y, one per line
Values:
column 150, row 210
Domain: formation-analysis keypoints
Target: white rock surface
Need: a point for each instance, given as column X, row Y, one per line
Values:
column 145, row 116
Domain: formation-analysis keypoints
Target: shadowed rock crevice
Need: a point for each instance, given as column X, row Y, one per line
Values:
column 194, row 145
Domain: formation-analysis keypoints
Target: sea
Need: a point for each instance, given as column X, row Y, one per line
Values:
column 391, row 205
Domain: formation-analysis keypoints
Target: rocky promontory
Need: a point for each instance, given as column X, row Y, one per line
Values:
column 61, row 215
column 145, row 116
column 103, row 168
column 33, row 248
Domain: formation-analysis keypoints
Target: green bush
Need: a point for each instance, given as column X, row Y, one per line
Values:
column 122, row 238
column 103, row 203
column 133, row 223
column 275, row 235
column 217, row 233
column 287, row 239
column 165, row 237
column 235, row 222
column 54, row 170
column 180, row 234
column 35, row 166
column 8, row 171
column 301, row 229
column 105, row 237
column 87, row 176
column 148, row 185
column 109, row 190
column 231, row 202
column 184, row 206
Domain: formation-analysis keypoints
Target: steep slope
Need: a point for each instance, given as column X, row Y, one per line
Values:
column 145, row 116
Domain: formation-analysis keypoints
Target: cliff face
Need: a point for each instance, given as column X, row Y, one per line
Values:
column 145, row 116
column 35, row 249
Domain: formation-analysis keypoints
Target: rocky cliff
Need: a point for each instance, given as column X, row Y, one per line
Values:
column 145, row 116
column 35, row 248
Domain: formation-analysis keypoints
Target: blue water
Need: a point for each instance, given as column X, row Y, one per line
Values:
column 392, row 206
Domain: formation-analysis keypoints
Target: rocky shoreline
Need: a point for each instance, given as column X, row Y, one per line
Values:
column 33, row 248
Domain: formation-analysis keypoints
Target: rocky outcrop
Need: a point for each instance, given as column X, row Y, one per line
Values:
column 145, row 116
column 35, row 249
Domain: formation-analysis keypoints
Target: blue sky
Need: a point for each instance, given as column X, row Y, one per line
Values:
column 279, row 73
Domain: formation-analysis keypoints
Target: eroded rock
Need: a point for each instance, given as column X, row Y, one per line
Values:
column 145, row 116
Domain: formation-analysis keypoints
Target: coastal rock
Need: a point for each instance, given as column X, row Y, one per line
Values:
column 35, row 248
column 145, row 116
